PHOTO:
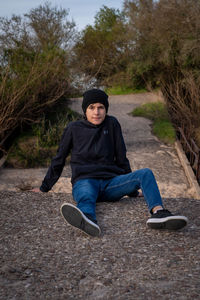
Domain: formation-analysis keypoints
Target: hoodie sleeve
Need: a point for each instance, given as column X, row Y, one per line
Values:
column 120, row 149
column 58, row 162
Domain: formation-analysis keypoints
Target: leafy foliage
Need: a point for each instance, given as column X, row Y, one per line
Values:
column 102, row 49
column 35, row 66
column 166, row 48
column 162, row 126
column 37, row 145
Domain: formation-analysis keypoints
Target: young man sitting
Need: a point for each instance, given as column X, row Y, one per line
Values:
column 101, row 170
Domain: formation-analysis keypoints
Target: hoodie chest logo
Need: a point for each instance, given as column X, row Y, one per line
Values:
column 105, row 132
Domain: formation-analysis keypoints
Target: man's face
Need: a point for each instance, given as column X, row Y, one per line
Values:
column 96, row 113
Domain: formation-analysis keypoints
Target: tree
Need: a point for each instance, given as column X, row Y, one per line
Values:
column 43, row 27
column 165, row 36
column 165, row 33
column 51, row 27
column 35, row 66
column 102, row 49
column 144, row 65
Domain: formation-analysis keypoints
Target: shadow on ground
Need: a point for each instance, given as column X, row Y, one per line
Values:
column 42, row 257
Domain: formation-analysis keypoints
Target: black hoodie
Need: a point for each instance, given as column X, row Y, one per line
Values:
column 97, row 151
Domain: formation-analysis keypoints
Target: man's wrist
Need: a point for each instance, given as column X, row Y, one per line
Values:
column 44, row 190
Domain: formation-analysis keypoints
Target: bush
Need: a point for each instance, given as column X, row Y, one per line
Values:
column 164, row 130
column 182, row 96
column 36, row 146
column 29, row 88
column 34, row 66
column 26, row 152
column 157, row 112
column 165, row 37
column 153, row 111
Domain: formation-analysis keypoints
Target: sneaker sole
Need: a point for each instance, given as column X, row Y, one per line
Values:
column 170, row 223
column 74, row 216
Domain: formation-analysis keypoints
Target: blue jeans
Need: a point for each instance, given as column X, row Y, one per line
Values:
column 86, row 192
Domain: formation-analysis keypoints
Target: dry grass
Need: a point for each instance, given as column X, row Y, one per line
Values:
column 24, row 98
column 183, row 102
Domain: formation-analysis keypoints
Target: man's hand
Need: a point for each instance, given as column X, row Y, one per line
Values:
column 140, row 194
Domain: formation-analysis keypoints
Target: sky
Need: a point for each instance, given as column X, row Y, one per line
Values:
column 81, row 11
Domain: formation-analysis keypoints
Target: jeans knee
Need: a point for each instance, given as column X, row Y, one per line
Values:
column 142, row 173
column 148, row 173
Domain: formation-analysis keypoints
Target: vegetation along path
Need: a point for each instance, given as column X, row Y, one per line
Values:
column 144, row 150
column 42, row 257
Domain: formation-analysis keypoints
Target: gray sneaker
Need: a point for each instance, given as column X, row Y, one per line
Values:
column 163, row 219
column 75, row 217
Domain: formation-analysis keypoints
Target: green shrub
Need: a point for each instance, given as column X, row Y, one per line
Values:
column 164, row 130
column 152, row 111
column 35, row 66
column 37, row 146
column 162, row 126
column 26, row 152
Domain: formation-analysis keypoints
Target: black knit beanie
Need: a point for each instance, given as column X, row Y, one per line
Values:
column 94, row 96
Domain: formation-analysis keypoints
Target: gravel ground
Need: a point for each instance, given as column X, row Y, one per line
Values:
column 42, row 257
